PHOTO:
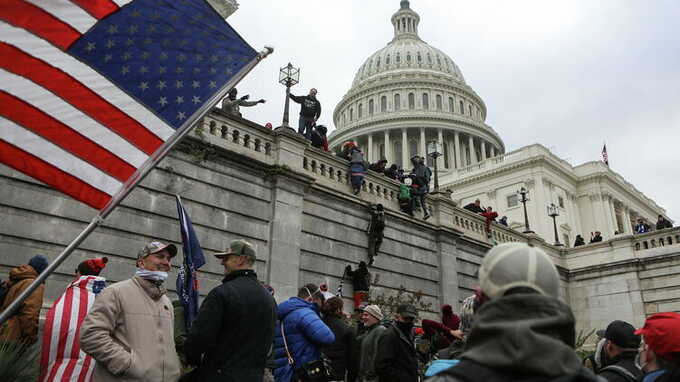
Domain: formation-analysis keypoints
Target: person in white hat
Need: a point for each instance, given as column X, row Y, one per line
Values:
column 371, row 316
column 130, row 329
column 522, row 331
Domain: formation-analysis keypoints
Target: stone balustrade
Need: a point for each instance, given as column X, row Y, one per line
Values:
column 656, row 239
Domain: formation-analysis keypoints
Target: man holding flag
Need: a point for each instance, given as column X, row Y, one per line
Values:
column 233, row 333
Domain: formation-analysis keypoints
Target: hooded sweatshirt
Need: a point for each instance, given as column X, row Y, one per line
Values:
column 521, row 337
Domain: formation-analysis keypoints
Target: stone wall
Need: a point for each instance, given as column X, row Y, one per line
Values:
column 240, row 180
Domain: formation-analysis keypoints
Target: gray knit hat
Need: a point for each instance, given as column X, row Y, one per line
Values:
column 513, row 265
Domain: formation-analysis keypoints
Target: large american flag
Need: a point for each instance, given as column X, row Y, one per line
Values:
column 62, row 360
column 92, row 90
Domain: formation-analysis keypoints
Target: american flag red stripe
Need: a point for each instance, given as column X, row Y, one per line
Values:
column 63, row 122
column 62, row 359
column 47, row 127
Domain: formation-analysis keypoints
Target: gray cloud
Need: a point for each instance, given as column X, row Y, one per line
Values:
column 567, row 74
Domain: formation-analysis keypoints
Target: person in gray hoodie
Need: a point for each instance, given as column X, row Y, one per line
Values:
column 522, row 331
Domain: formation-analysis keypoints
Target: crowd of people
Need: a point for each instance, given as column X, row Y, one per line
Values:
column 514, row 327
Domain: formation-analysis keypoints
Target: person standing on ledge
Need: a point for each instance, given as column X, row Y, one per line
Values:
column 310, row 111
column 232, row 104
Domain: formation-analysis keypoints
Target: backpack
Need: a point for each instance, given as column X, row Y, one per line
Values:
column 4, row 289
column 620, row 370
column 404, row 192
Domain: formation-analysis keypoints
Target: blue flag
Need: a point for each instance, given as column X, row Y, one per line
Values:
column 187, row 283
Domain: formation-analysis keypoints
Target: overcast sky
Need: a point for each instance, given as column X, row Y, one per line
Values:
column 567, row 74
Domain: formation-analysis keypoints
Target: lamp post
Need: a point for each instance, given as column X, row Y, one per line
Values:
column 288, row 76
column 553, row 212
column 523, row 193
column 434, row 151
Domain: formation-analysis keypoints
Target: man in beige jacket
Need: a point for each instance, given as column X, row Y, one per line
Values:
column 129, row 330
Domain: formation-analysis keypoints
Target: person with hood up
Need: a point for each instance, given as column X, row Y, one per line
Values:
column 340, row 352
column 300, row 334
column 450, row 323
column 357, row 168
column 579, row 241
column 396, row 359
column 129, row 330
column 319, row 139
column 310, row 110
column 378, row 166
column 503, row 221
column 421, row 183
column 22, row 326
column 619, row 351
column 663, row 223
column 392, row 172
column 61, row 328
column 361, row 282
column 522, row 331
column 232, row 105
column 659, row 358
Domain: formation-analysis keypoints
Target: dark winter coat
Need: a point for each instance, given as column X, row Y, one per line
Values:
column 310, row 106
column 596, row 239
column 520, row 337
column 579, row 241
column 474, row 208
column 625, row 361
column 233, row 331
column 368, row 343
column 305, row 334
column 663, row 224
column 361, row 278
column 396, row 360
column 340, row 352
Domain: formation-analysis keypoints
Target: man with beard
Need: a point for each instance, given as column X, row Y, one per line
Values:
column 232, row 105
column 620, row 348
column 396, row 359
column 310, row 110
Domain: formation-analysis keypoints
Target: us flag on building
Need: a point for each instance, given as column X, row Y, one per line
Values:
column 62, row 360
column 94, row 92
column 605, row 158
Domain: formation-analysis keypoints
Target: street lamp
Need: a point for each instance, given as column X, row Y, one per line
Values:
column 523, row 193
column 434, row 150
column 553, row 212
column 288, row 76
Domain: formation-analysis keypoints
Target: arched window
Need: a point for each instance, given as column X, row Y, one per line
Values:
column 397, row 102
column 419, row 57
column 426, row 101
column 360, row 111
column 383, row 104
column 370, row 107
column 351, row 114
column 439, row 102
column 470, row 110
column 412, row 148
column 387, row 60
column 439, row 61
column 397, row 153
column 462, row 108
column 411, row 101
column 451, row 107
column 408, row 57
column 377, row 63
column 398, row 57
column 429, row 58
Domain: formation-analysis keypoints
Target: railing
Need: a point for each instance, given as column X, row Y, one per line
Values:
column 657, row 239
column 475, row 226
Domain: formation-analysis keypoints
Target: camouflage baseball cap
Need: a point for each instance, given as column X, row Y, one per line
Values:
column 238, row 247
column 156, row 246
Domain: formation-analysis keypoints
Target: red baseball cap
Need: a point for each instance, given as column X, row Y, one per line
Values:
column 662, row 333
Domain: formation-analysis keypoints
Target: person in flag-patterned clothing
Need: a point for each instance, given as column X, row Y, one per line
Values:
column 61, row 357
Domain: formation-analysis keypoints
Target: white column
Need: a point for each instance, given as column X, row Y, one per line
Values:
column 483, row 150
column 422, row 143
column 627, row 223
column 388, row 148
column 473, row 154
column 440, row 138
column 456, row 149
column 404, row 148
column 370, row 148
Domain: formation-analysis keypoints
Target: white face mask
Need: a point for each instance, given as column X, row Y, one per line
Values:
column 152, row 275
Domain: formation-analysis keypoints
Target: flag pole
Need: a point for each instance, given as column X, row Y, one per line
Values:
column 132, row 182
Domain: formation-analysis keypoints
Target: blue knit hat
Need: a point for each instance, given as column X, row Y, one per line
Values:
column 38, row 262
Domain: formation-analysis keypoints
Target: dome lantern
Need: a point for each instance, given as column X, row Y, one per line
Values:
column 405, row 22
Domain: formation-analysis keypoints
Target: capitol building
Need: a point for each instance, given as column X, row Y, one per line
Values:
column 409, row 93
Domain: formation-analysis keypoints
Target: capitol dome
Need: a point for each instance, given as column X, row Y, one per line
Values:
column 408, row 94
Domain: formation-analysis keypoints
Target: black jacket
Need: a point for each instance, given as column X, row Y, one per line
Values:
column 663, row 224
column 596, row 239
column 474, row 208
column 341, row 352
column 520, row 337
column 396, row 360
column 234, row 331
column 361, row 278
column 310, row 106
column 625, row 360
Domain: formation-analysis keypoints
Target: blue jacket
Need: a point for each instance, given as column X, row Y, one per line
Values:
column 305, row 333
